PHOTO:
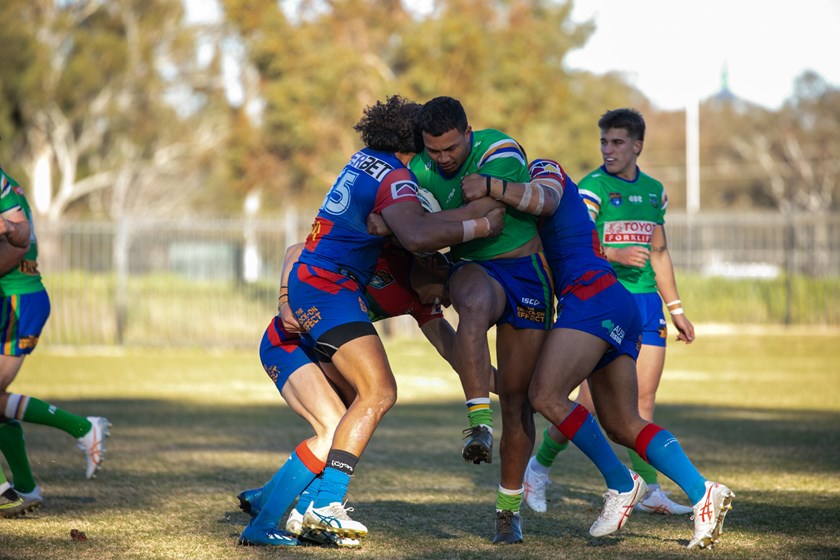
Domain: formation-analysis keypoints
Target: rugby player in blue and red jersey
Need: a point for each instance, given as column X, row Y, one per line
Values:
column 596, row 337
column 326, row 294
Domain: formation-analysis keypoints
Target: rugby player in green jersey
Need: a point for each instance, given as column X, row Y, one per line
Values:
column 502, row 281
column 24, row 308
column 628, row 208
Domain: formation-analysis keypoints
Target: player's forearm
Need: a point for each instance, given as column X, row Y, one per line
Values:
column 17, row 232
column 540, row 197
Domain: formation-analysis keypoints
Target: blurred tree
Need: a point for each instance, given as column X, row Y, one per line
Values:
column 322, row 63
column 97, row 110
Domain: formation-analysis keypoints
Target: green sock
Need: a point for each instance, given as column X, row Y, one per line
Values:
column 549, row 449
column 639, row 465
column 507, row 501
column 40, row 412
column 479, row 412
column 13, row 448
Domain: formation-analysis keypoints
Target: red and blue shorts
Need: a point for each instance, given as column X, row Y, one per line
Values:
column 599, row 305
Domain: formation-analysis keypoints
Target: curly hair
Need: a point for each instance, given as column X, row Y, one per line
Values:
column 630, row 120
column 389, row 126
column 440, row 115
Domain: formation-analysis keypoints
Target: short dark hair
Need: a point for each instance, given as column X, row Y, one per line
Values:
column 389, row 126
column 440, row 115
column 630, row 120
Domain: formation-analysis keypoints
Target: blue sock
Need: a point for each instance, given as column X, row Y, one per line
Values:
column 333, row 487
column 308, row 495
column 279, row 493
column 582, row 430
column 662, row 450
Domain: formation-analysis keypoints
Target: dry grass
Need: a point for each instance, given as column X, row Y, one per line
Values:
column 760, row 412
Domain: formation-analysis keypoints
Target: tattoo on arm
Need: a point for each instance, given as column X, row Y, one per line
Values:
column 658, row 248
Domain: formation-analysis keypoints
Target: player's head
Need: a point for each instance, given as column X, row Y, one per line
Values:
column 446, row 134
column 389, row 126
column 630, row 120
column 622, row 140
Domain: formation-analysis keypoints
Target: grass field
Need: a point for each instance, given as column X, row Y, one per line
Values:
column 758, row 410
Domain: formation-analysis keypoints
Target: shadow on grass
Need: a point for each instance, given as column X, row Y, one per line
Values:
column 412, row 482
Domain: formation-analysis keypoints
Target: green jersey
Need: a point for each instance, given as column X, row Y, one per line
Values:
column 492, row 153
column 25, row 279
column 626, row 213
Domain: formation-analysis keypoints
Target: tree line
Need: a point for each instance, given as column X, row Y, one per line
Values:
column 121, row 108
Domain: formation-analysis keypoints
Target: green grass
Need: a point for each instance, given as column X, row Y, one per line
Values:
column 756, row 409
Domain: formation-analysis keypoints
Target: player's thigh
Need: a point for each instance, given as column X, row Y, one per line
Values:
column 363, row 363
column 649, row 368
column 310, row 395
column 566, row 360
column 475, row 295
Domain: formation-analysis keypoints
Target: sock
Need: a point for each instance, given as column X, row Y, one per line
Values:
column 36, row 411
column 645, row 470
column 662, row 450
column 510, row 500
column 336, row 479
column 582, row 430
column 13, row 447
column 308, row 495
column 479, row 412
column 548, row 450
column 292, row 478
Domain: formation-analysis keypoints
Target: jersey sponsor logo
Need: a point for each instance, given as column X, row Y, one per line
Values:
column 403, row 189
column 307, row 319
column 338, row 199
column 381, row 279
column 636, row 199
column 272, row 372
column 533, row 302
column 371, row 165
column 615, row 199
column 29, row 267
column 616, row 332
column 363, row 305
column 341, row 466
column 628, row 231
column 654, row 200
column 27, row 342
column 530, row 314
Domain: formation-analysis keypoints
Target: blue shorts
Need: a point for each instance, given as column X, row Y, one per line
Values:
column 527, row 283
column 328, row 303
column 282, row 353
column 22, row 318
column 605, row 309
column 654, row 326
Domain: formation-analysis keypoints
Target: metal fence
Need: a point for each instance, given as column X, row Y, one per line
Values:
column 214, row 282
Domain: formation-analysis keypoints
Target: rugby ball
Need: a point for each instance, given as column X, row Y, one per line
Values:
column 428, row 200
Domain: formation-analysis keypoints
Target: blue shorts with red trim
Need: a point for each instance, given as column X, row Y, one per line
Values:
column 22, row 318
column 323, row 300
column 282, row 353
column 528, row 286
column 654, row 326
column 602, row 307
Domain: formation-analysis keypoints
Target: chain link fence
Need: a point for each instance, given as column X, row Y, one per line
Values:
column 211, row 283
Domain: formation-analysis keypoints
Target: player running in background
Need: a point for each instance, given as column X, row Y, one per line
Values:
column 596, row 337
column 628, row 208
column 326, row 286
column 24, row 309
column 501, row 281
